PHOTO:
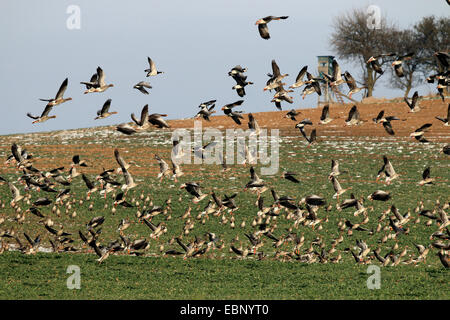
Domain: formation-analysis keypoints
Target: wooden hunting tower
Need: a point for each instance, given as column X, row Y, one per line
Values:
column 325, row 64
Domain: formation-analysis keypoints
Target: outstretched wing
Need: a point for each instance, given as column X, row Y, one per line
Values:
column 62, row 89
column 263, row 31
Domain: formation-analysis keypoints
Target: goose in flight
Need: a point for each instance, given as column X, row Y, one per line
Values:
column 299, row 80
column 235, row 115
column 262, row 25
column 98, row 85
column 379, row 195
column 59, row 95
column 194, row 189
column 426, row 178
column 240, row 86
column 141, row 86
column 152, row 68
column 353, row 117
column 275, row 77
column 351, row 83
column 126, row 129
column 205, row 112
column 292, row 114
column 388, row 170
column 312, row 87
column 418, row 134
column 142, row 123
column 157, row 120
column 337, row 187
column 337, row 74
column 104, row 112
column 398, row 64
column 312, row 137
column 129, row 181
column 325, row 116
column 386, row 121
column 164, row 169
column 445, row 120
column 413, row 105
column 373, row 61
column 44, row 116
column 253, row 125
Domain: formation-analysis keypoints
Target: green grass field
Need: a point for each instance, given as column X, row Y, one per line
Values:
column 221, row 274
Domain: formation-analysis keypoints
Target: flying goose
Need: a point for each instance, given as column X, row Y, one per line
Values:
column 337, row 188
column 442, row 59
column 142, row 123
column 445, row 120
column 89, row 185
column 413, row 105
column 379, row 195
column 15, row 193
column 337, row 74
column 227, row 110
column 152, row 69
column 398, row 64
column 59, row 95
column 426, row 178
column 292, row 114
column 129, row 181
column 325, row 116
column 206, row 112
column 388, row 170
column 262, row 25
column 418, row 133
column 353, row 117
column 157, row 120
column 44, row 116
column 104, row 112
column 351, row 83
column 252, row 124
column 194, row 189
column 276, row 77
column 176, row 170
column 141, row 85
column 240, row 86
column 255, row 181
column 289, row 175
column 126, row 129
column 164, row 169
column 98, row 85
column 312, row 137
column 299, row 80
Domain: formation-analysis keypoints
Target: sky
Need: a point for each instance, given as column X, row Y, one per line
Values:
column 195, row 43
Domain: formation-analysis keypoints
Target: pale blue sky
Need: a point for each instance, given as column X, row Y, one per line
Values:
column 194, row 42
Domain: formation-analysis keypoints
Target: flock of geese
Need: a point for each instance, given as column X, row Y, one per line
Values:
column 310, row 212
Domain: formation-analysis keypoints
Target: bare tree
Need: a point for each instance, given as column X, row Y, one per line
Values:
column 354, row 40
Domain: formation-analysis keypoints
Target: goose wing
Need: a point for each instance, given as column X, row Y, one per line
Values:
column 62, row 89
column 264, row 31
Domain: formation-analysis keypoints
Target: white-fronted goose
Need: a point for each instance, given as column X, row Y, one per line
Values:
column 44, row 116
column 59, row 95
column 194, row 189
column 235, row 115
column 373, row 61
column 104, row 112
column 176, row 171
column 99, row 85
column 262, row 25
column 337, row 188
column 89, row 185
column 388, row 170
column 276, row 77
column 206, row 112
column 337, row 74
column 141, row 86
column 445, row 120
column 240, row 87
column 152, row 70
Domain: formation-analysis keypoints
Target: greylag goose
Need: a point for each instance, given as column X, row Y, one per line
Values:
column 325, row 116
column 44, row 116
column 99, row 85
column 398, row 64
column 351, row 83
column 104, row 112
column 142, row 123
column 292, row 114
column 418, row 134
column 426, row 178
column 141, row 86
column 152, row 69
column 262, row 25
column 413, row 105
column 353, row 117
column 299, row 80
column 129, row 181
column 445, row 120
column 59, row 95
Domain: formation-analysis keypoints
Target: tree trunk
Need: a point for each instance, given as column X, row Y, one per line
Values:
column 369, row 81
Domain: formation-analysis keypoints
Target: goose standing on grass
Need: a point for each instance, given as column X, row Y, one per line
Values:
column 157, row 120
column 398, row 64
column 104, row 112
column 325, row 116
column 99, row 84
column 141, row 86
column 413, row 105
column 59, row 95
column 445, row 120
column 142, row 123
column 426, row 178
column 152, row 68
column 418, row 134
column 262, row 25
column 43, row 117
